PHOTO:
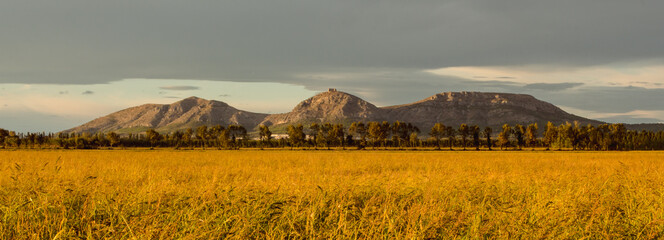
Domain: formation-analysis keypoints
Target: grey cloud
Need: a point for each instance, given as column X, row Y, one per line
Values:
column 88, row 92
column 63, row 92
column 552, row 86
column 179, row 88
column 78, row 41
column 628, row 119
column 224, row 95
column 172, row 97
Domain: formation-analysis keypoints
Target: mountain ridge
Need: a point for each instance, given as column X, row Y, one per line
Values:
column 451, row 108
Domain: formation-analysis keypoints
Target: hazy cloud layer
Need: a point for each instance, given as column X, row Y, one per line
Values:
column 179, row 88
column 552, row 86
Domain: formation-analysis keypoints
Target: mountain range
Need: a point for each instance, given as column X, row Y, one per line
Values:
column 449, row 108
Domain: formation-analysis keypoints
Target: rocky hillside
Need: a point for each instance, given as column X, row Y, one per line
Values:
column 450, row 108
column 331, row 106
column 190, row 112
column 480, row 108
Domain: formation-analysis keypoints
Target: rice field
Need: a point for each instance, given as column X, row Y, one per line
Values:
column 274, row 194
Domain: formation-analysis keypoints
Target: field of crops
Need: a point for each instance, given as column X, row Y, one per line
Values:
column 166, row 194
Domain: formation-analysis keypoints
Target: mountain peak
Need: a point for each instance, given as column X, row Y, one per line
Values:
column 330, row 106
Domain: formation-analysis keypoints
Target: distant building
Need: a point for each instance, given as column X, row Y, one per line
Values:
column 331, row 89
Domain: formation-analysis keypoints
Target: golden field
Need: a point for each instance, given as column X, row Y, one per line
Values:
column 273, row 194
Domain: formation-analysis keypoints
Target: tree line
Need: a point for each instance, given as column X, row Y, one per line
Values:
column 359, row 135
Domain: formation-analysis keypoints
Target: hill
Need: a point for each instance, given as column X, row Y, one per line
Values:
column 450, row 108
column 187, row 113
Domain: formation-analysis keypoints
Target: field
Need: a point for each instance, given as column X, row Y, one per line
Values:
column 165, row 194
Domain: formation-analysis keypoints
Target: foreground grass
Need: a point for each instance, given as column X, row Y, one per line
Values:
column 330, row 194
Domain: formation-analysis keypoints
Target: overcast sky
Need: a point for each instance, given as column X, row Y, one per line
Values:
column 63, row 63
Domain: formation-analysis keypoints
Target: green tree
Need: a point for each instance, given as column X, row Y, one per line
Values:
column 414, row 140
column 296, row 135
column 314, row 129
column 359, row 129
column 531, row 135
column 519, row 132
column 464, row 131
column 186, row 138
column 265, row 135
column 153, row 137
column 113, row 138
column 550, row 135
column 475, row 133
column 487, row 134
column 4, row 134
column 375, row 133
column 437, row 132
column 238, row 134
column 451, row 135
column 202, row 135
column 504, row 137
column 336, row 135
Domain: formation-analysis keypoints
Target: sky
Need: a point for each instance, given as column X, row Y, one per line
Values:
column 66, row 62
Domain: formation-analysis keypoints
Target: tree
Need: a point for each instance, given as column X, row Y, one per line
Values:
column 213, row 134
column 375, row 133
column 187, row 137
column 414, row 140
column 399, row 131
column 324, row 136
column 113, row 138
column 176, row 139
column 296, row 135
column 550, row 135
column 336, row 135
column 518, row 134
column 358, row 128
column 265, row 134
column 464, row 131
column 451, row 135
column 618, row 133
column 437, row 132
column 201, row 135
column 384, row 132
column 152, row 136
column 314, row 128
column 4, row 134
column 475, row 133
column 237, row 132
column 487, row 134
column 531, row 135
column 564, row 133
column 402, row 131
column 504, row 136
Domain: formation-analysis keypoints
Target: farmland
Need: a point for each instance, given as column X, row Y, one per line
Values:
column 165, row 194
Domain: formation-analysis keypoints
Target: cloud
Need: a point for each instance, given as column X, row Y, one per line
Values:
column 552, row 86
column 215, row 40
column 224, row 95
column 63, row 92
column 647, row 74
column 88, row 92
column 179, row 88
column 635, row 116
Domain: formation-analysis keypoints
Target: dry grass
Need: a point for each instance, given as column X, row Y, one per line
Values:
column 330, row 194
